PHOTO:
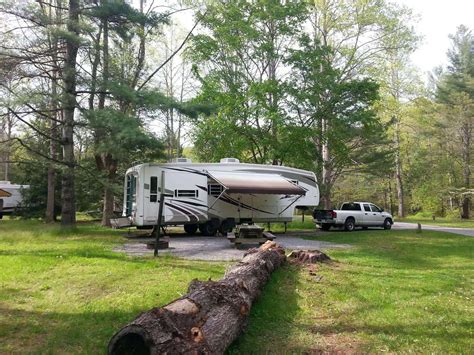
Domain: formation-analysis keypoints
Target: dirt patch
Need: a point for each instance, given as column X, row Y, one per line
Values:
column 217, row 248
column 338, row 343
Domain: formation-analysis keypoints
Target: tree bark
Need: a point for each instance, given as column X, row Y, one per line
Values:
column 50, row 215
column 327, row 169
column 398, row 172
column 207, row 319
column 104, row 160
column 68, row 211
column 466, row 158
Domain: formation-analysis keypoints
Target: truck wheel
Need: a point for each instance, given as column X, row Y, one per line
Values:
column 325, row 227
column 208, row 229
column 387, row 224
column 349, row 225
column 190, row 228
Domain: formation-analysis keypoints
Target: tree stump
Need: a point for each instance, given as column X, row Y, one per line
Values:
column 209, row 317
column 308, row 256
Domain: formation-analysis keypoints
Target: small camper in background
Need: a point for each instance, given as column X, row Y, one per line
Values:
column 10, row 197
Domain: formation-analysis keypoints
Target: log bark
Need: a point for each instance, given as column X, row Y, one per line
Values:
column 209, row 317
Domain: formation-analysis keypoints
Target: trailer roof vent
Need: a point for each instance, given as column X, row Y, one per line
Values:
column 230, row 160
column 181, row 160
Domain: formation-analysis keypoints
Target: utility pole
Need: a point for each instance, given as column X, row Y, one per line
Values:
column 160, row 213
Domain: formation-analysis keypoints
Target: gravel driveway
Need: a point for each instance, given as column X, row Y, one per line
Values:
column 219, row 248
column 461, row 231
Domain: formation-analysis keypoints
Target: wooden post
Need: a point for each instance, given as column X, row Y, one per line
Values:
column 160, row 213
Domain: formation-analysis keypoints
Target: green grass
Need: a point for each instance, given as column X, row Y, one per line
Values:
column 395, row 291
column 296, row 224
column 439, row 221
column 68, row 292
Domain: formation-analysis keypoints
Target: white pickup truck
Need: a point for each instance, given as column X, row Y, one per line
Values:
column 353, row 214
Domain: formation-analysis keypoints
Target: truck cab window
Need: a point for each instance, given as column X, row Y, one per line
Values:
column 375, row 208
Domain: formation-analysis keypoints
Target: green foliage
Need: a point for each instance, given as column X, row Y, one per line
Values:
column 121, row 134
column 239, row 62
column 122, row 17
column 351, row 128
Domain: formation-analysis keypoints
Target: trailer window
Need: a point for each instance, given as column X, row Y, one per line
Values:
column 153, row 189
column 214, row 189
column 186, row 193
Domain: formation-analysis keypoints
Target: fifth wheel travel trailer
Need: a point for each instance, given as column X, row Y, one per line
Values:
column 216, row 196
column 10, row 197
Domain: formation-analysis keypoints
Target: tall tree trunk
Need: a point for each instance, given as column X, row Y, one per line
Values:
column 398, row 172
column 68, row 211
column 8, row 135
column 50, row 198
column 110, row 166
column 466, row 158
column 103, row 160
column 326, row 168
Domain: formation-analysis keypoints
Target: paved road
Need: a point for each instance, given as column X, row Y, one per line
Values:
column 219, row 248
column 461, row 231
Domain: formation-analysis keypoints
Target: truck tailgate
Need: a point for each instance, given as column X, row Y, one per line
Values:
column 323, row 215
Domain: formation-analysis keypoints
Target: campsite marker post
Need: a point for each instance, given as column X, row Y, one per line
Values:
column 160, row 213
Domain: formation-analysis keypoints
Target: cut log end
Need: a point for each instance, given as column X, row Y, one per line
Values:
column 130, row 341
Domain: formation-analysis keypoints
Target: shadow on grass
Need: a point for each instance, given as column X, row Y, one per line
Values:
column 50, row 332
column 274, row 310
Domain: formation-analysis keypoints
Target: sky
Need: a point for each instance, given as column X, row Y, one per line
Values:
column 439, row 18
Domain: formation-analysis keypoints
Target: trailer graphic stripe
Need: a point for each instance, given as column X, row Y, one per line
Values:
column 192, row 217
column 194, row 210
column 190, row 203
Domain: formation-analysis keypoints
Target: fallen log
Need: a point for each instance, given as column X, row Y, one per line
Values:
column 209, row 317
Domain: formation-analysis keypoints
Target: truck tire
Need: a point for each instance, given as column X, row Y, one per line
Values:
column 387, row 224
column 349, row 224
column 325, row 226
column 190, row 228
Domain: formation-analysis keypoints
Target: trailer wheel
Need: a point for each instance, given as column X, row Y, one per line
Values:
column 190, row 228
column 349, row 225
column 208, row 229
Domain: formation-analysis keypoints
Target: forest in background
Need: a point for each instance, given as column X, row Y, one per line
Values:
column 89, row 88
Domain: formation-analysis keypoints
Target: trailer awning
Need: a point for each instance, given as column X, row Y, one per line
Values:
column 251, row 183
